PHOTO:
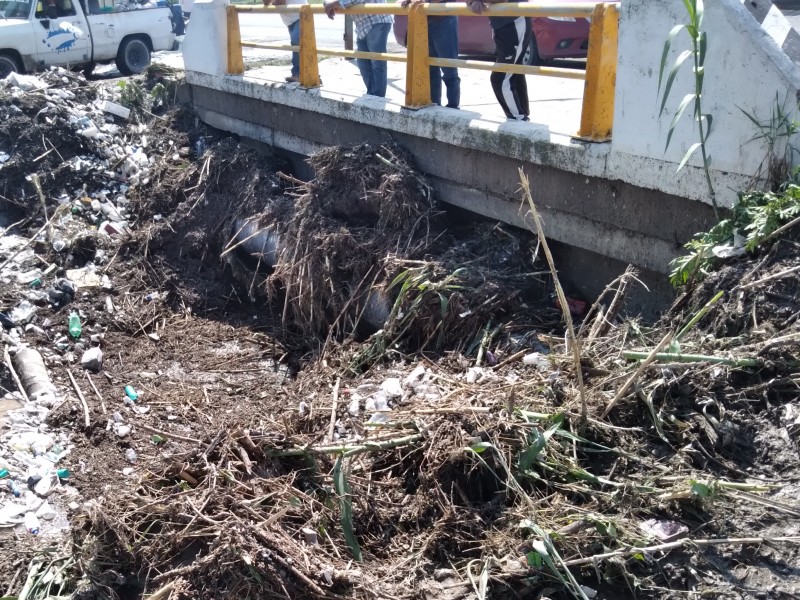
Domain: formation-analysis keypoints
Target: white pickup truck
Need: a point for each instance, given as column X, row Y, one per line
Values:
column 36, row 34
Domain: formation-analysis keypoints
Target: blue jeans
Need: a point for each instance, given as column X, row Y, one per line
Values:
column 294, row 40
column 373, row 72
column 443, row 43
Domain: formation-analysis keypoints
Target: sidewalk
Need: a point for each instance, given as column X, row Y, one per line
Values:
column 555, row 102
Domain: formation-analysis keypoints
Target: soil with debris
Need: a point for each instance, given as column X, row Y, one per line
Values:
column 333, row 389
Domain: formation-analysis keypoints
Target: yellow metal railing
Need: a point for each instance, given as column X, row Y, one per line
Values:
column 597, row 112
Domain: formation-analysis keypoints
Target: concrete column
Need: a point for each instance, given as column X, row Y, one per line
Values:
column 205, row 48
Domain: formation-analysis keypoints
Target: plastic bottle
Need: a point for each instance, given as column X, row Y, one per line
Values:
column 32, row 523
column 131, row 393
column 13, row 487
column 131, row 456
column 4, row 473
column 74, row 325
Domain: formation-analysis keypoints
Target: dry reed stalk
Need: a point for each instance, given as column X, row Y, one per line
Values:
column 645, row 363
column 562, row 299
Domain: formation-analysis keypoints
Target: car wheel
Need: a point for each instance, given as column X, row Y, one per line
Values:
column 8, row 65
column 133, row 56
column 532, row 58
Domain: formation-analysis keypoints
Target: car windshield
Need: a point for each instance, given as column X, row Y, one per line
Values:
column 15, row 9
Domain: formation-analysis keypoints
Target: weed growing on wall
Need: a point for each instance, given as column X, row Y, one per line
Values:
column 697, row 54
column 777, row 134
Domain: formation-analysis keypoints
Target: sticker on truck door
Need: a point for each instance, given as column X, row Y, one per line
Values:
column 63, row 38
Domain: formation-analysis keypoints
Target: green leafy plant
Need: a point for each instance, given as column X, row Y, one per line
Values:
column 756, row 216
column 700, row 260
column 345, row 505
column 415, row 288
column 134, row 96
column 697, row 54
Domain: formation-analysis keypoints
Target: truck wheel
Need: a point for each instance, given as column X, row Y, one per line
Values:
column 133, row 56
column 8, row 65
column 532, row 58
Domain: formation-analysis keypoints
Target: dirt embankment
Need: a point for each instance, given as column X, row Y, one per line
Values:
column 344, row 393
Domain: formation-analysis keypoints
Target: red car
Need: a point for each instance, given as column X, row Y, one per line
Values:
column 553, row 37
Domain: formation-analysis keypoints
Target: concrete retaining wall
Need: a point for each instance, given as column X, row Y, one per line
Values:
column 747, row 65
column 621, row 200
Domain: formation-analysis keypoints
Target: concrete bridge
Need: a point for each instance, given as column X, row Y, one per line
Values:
column 605, row 203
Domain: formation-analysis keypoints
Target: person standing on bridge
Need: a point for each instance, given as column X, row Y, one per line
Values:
column 442, row 43
column 292, row 22
column 372, row 32
column 512, row 40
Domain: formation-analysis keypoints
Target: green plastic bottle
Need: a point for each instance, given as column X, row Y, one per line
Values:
column 74, row 325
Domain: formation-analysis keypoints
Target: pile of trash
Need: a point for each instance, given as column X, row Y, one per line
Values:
column 211, row 429
column 363, row 248
column 31, row 453
column 69, row 157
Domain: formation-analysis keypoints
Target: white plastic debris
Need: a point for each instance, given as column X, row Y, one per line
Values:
column 92, row 359
column 665, row 531
column 355, row 407
column 392, row 387
column 474, row 374
column 87, row 277
column 536, row 359
column 23, row 313
column 414, row 378
column 115, row 109
column 25, row 82
column 46, row 512
column 46, row 485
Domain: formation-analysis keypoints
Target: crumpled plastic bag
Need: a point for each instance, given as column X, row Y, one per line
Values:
column 25, row 82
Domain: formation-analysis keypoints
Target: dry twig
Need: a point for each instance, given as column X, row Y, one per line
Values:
column 78, row 391
column 574, row 343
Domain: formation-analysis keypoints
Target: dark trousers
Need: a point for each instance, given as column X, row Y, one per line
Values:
column 177, row 19
column 512, row 42
column 443, row 43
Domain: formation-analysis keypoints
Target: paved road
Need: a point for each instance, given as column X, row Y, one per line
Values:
column 264, row 29
column 791, row 9
column 270, row 29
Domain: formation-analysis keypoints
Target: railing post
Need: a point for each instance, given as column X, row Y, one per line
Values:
column 309, row 63
column 348, row 32
column 235, row 58
column 597, row 115
column 418, row 79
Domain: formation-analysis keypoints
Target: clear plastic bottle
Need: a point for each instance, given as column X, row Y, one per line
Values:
column 14, row 488
column 32, row 523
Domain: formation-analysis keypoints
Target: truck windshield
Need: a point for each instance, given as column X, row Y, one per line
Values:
column 15, row 9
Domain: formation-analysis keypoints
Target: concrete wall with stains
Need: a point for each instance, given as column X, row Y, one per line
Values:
column 749, row 67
